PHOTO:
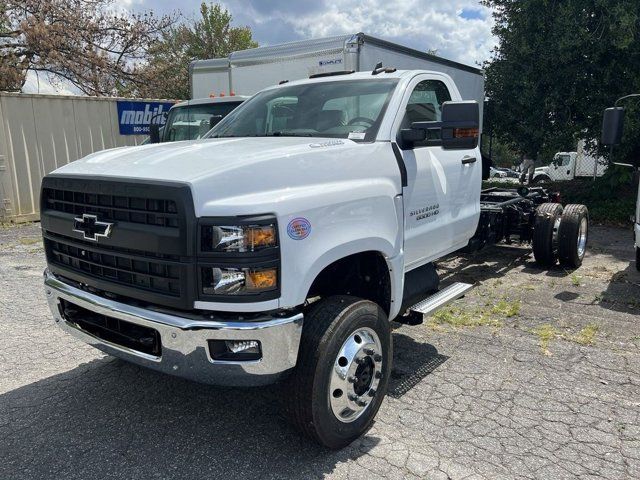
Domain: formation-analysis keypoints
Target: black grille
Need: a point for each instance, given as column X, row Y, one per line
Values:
column 149, row 253
column 146, row 211
column 143, row 270
column 136, row 337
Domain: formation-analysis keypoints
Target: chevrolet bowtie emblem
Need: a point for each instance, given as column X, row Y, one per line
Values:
column 90, row 228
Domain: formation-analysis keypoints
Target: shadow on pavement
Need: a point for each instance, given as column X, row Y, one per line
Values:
column 110, row 419
column 623, row 291
column 412, row 362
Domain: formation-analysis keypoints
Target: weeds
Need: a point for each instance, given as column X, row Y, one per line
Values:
column 586, row 336
column 490, row 315
column 575, row 280
column 545, row 334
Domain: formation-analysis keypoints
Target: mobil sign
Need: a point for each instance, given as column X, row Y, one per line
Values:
column 134, row 117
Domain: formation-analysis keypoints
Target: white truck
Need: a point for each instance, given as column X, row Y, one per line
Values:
column 570, row 165
column 280, row 247
column 612, row 129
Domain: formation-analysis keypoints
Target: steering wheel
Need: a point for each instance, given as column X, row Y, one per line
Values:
column 355, row 120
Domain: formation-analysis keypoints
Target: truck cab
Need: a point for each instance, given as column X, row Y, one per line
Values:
column 191, row 119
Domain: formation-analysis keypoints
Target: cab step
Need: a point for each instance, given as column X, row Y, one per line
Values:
column 434, row 302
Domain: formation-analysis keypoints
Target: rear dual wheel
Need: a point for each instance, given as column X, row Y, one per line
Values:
column 560, row 234
column 343, row 369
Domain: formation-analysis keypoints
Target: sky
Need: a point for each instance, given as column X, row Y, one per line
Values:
column 459, row 30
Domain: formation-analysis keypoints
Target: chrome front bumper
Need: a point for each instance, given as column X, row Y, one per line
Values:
column 185, row 351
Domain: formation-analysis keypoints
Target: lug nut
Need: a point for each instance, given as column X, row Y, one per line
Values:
column 369, row 351
column 378, row 375
column 372, row 392
column 352, row 397
column 352, row 379
column 359, row 361
column 377, row 357
column 361, row 403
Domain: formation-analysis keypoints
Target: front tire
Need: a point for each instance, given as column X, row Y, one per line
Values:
column 343, row 369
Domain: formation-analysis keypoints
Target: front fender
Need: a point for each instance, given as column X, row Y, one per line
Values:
column 360, row 224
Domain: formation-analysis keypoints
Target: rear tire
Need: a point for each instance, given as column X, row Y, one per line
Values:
column 545, row 232
column 572, row 235
column 329, row 355
column 638, row 258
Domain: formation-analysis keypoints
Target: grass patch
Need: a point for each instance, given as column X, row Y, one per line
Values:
column 586, row 336
column 575, row 280
column 490, row 315
column 545, row 334
column 460, row 317
column 30, row 241
column 507, row 308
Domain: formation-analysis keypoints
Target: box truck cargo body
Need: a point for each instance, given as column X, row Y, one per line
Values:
column 249, row 71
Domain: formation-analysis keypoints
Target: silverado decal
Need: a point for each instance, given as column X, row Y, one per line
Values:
column 426, row 212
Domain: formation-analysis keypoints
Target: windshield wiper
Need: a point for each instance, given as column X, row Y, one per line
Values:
column 289, row 134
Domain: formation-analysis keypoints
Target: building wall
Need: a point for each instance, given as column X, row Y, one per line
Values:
column 39, row 133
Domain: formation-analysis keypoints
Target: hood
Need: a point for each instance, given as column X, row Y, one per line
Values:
column 542, row 170
column 190, row 161
column 248, row 174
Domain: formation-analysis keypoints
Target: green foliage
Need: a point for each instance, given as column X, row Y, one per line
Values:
column 210, row 36
column 557, row 67
column 609, row 201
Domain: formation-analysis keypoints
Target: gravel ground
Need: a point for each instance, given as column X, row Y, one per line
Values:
column 535, row 374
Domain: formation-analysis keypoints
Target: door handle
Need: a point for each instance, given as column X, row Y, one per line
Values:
column 468, row 159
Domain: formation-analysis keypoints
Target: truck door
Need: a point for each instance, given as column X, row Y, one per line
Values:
column 562, row 166
column 442, row 196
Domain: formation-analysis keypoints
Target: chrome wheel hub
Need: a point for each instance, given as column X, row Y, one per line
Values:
column 355, row 376
column 582, row 237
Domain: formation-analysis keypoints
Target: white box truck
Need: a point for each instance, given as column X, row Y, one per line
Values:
column 570, row 165
column 249, row 71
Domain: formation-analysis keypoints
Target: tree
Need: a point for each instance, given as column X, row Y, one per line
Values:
column 211, row 36
column 557, row 66
column 85, row 42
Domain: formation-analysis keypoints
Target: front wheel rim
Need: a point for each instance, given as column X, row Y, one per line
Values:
column 355, row 375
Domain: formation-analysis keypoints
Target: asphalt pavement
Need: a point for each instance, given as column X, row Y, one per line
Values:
column 535, row 374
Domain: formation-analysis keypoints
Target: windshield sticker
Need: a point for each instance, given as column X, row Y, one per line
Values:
column 299, row 228
column 330, row 143
column 356, row 135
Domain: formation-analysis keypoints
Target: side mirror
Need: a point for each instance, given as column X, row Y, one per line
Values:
column 154, row 133
column 612, row 125
column 458, row 130
column 411, row 135
column 214, row 120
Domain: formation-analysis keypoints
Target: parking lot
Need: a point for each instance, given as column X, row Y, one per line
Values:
column 535, row 374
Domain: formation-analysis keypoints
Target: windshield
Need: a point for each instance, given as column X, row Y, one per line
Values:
column 344, row 109
column 191, row 122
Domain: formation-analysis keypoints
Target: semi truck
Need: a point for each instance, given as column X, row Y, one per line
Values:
column 280, row 246
column 570, row 165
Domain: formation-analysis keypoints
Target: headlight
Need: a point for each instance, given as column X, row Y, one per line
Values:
column 239, row 238
column 238, row 281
